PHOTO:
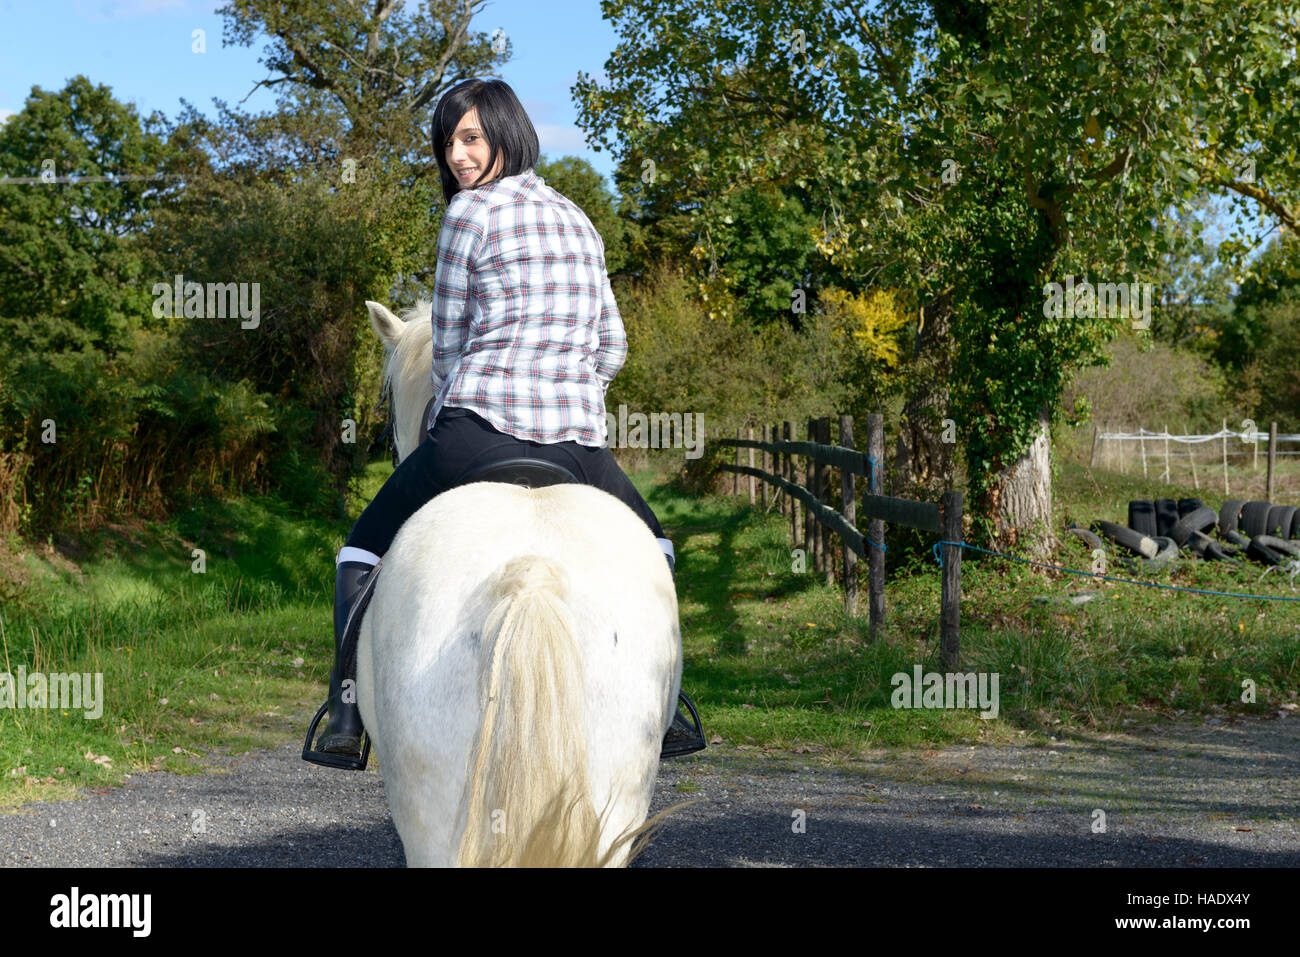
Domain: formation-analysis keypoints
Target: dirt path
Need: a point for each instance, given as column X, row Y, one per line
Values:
column 1194, row 795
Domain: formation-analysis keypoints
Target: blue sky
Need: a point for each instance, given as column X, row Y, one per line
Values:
column 142, row 49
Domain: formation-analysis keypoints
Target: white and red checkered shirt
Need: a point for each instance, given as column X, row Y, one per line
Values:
column 525, row 328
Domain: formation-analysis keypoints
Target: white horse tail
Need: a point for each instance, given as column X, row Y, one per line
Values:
column 529, row 800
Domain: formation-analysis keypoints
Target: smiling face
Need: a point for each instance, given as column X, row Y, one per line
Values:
column 468, row 152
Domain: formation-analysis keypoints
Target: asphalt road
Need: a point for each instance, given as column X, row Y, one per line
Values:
column 1200, row 794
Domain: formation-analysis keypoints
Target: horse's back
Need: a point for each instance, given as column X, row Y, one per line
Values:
column 419, row 662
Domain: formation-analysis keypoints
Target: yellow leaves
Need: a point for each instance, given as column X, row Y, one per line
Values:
column 871, row 322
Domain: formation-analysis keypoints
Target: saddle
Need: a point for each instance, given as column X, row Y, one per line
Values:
column 521, row 470
column 684, row 737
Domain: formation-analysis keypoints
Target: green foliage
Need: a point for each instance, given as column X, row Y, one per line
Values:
column 369, row 74
column 1271, row 374
column 98, row 413
column 1247, row 334
column 1002, row 151
column 682, row 359
column 70, row 263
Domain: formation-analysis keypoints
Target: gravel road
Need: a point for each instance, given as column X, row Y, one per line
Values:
column 1198, row 794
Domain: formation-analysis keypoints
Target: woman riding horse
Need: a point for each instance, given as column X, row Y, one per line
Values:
column 526, row 339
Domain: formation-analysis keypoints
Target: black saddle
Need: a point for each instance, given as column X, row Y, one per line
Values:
column 521, row 470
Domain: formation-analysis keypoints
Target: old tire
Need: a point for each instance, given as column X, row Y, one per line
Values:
column 1143, row 545
column 1236, row 538
column 1188, row 505
column 1262, row 553
column 1254, row 518
column 1091, row 539
column 1198, row 521
column 1142, row 517
column 1166, row 516
column 1280, row 545
column 1229, row 513
column 1279, row 521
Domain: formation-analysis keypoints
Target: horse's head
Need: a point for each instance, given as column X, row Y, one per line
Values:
column 408, row 365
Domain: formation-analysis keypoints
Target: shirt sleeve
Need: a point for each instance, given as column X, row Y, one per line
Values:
column 612, row 348
column 459, row 243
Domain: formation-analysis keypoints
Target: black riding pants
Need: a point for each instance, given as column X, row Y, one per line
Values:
column 462, row 440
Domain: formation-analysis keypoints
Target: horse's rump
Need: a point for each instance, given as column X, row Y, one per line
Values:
column 534, row 631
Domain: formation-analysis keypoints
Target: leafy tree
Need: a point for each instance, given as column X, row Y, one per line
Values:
column 70, row 263
column 376, row 69
column 1059, row 137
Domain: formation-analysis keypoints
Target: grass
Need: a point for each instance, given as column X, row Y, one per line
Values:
column 219, row 661
column 237, row 657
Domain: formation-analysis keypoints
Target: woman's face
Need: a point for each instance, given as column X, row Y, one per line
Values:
column 467, row 153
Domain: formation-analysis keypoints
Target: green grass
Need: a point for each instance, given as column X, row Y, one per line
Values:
column 773, row 661
column 237, row 657
column 233, row 658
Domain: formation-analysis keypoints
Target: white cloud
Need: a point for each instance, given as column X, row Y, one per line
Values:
column 557, row 139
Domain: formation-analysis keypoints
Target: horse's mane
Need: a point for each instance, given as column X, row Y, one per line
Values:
column 410, row 363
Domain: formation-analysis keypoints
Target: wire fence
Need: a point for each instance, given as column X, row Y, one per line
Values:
column 1205, row 456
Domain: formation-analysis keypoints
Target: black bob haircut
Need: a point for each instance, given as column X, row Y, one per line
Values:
column 502, row 119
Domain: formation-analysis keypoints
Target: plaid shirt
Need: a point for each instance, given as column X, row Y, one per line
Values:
column 525, row 328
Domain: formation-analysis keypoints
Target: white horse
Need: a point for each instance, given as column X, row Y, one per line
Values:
column 519, row 662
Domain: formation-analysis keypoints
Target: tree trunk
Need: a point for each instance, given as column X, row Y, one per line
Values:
column 1020, row 499
column 922, row 460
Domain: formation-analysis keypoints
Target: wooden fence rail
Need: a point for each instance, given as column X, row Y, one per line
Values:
column 819, row 518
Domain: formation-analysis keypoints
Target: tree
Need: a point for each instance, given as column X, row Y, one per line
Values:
column 998, row 137
column 376, row 68
column 70, row 261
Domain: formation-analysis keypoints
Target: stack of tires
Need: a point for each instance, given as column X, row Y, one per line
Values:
column 1269, row 533
column 1161, row 530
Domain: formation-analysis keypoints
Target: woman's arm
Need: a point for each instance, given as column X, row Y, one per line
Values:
column 459, row 243
column 612, row 351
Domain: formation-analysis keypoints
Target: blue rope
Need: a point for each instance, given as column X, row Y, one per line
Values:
column 1110, row 578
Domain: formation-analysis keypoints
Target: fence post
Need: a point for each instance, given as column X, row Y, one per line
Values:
column 778, row 468
column 735, row 476
column 1225, row 457
column 810, row 523
column 1092, row 462
column 762, row 486
column 850, row 512
column 824, row 495
column 749, row 434
column 876, row 528
column 1166, row 454
column 1191, row 457
column 950, row 607
column 1272, row 457
column 789, row 477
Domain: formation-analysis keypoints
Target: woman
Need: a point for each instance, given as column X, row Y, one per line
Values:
column 526, row 338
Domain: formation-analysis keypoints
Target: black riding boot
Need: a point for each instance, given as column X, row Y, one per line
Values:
column 686, row 734
column 343, row 733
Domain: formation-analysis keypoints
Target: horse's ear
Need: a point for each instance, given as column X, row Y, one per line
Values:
column 387, row 325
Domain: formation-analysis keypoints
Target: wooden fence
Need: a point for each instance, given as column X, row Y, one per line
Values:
column 812, row 517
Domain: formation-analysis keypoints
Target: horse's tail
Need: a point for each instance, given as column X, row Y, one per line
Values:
column 529, row 800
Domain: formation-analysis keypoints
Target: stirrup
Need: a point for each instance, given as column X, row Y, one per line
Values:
column 345, row 659
column 683, row 738
column 347, row 762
